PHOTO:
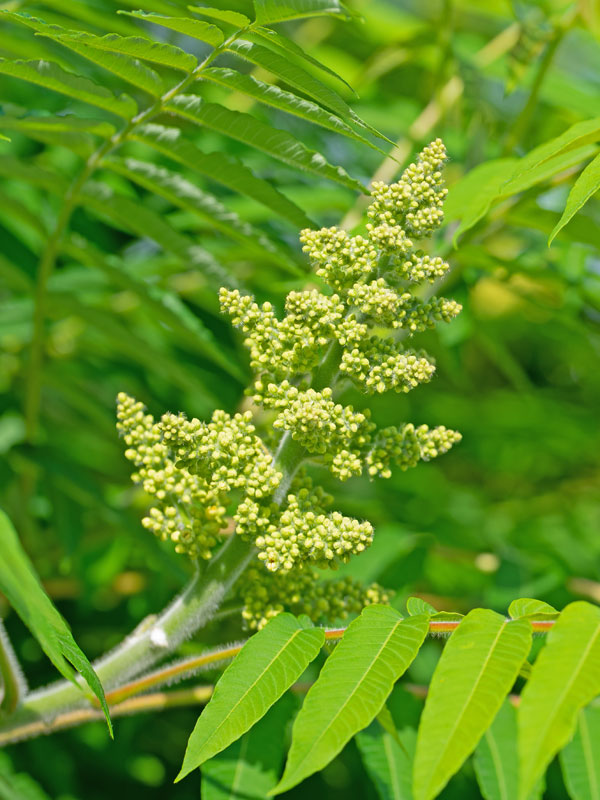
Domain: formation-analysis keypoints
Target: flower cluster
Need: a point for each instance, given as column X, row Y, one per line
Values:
column 355, row 330
column 301, row 592
column 190, row 468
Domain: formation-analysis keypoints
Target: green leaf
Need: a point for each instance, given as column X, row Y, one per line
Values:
column 585, row 186
column 129, row 69
column 496, row 760
column 167, row 55
column 388, row 762
column 189, row 27
column 353, row 685
column 415, row 605
column 292, row 74
column 471, row 197
column 565, row 677
column 57, row 124
column 18, row 785
column 526, row 607
column 273, row 39
column 245, row 128
column 221, row 169
column 181, row 192
column 24, row 592
column 249, row 767
column 268, row 12
column 580, row 759
column 478, row 666
column 49, row 75
column 582, row 133
column 231, row 17
column 267, row 665
column 284, row 101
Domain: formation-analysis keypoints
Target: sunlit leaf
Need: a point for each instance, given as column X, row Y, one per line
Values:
column 189, row 27
column 51, row 76
column 358, row 676
column 478, row 667
column 269, row 12
column 265, row 668
column 565, row 677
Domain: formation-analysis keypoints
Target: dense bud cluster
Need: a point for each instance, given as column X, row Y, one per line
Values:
column 301, row 592
column 200, row 472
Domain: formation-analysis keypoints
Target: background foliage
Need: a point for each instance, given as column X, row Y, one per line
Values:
column 513, row 511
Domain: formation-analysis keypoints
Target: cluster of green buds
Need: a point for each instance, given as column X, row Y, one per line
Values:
column 203, row 474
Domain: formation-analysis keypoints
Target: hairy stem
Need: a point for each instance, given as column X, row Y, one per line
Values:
column 12, row 682
column 149, row 643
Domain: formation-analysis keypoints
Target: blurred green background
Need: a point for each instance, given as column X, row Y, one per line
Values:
column 513, row 511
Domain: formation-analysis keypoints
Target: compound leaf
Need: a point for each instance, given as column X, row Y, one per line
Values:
column 245, row 128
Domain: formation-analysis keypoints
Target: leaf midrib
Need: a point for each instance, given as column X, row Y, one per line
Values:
column 350, row 696
column 468, row 700
column 252, row 685
column 566, row 690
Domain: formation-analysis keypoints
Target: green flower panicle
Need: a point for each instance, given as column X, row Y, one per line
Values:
column 202, row 475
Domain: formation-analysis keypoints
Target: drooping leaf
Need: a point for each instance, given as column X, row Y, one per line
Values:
column 221, row 169
column 195, row 28
column 166, row 55
column 249, row 767
column 565, row 677
column 530, row 608
column 387, row 761
column 268, row 12
column 265, row 668
column 284, row 101
column 478, row 666
column 245, row 128
column 496, row 760
column 181, row 192
column 51, row 76
column 23, row 590
column 586, row 185
column 230, row 17
column 580, row 759
column 374, row 652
